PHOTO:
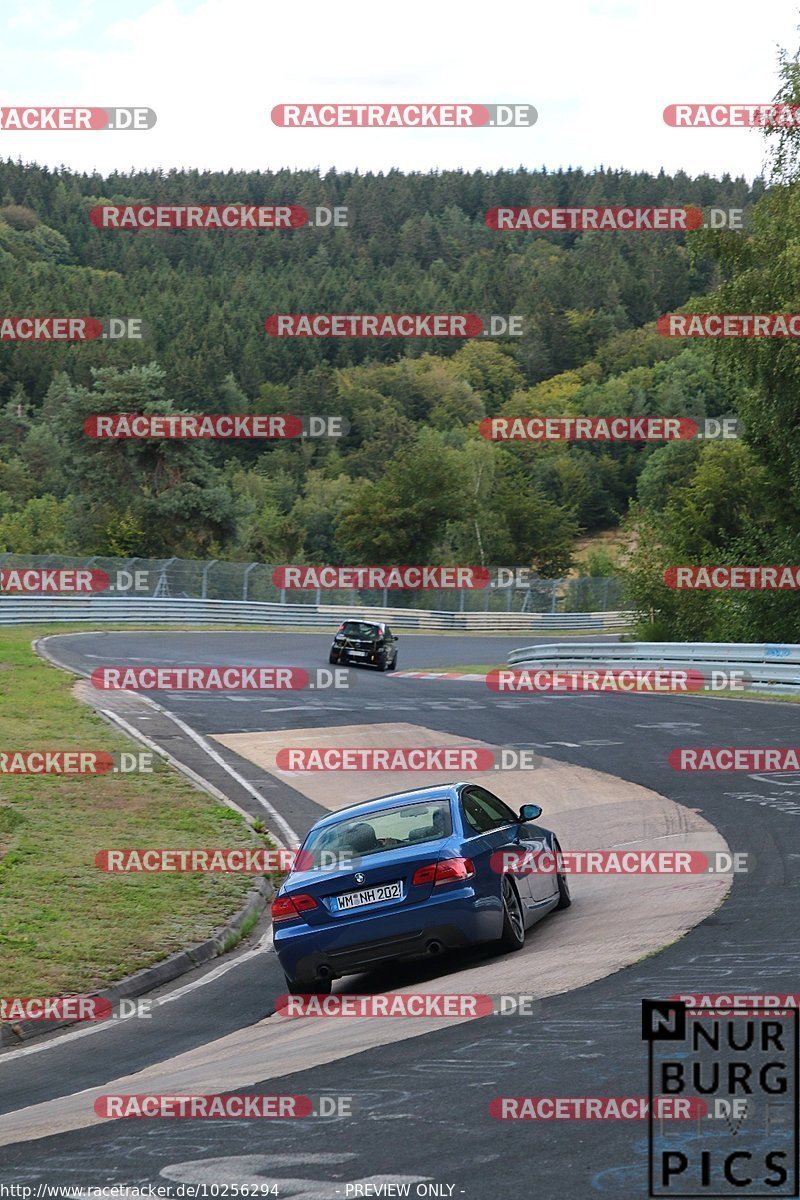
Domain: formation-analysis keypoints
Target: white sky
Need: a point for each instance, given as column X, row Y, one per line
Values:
column 599, row 72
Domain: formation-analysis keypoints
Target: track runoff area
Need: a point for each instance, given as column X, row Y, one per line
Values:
column 656, row 1012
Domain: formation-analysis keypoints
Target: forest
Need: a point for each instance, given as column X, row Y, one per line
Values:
column 412, row 480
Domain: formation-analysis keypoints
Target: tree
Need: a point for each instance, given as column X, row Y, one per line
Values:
column 15, row 418
column 490, row 370
column 400, row 518
column 19, row 217
column 167, row 489
column 317, row 512
column 726, row 513
column 41, row 526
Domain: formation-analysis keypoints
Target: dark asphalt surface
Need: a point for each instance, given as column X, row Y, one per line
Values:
column 436, row 1089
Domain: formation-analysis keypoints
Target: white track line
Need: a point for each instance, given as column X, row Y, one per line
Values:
column 264, row 946
column 289, row 839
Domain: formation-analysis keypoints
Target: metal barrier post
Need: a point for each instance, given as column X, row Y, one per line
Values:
column 246, row 579
column 206, row 569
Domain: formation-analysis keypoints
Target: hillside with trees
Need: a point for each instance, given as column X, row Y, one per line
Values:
column 412, row 480
column 738, row 502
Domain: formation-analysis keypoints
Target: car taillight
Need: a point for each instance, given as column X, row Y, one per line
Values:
column 454, row 868
column 425, row 874
column 286, row 907
column 447, row 871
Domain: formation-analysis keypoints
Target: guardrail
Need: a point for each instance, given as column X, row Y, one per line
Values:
column 766, row 663
column 150, row 610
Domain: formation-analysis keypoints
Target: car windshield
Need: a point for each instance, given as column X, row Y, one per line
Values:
column 359, row 629
column 390, row 829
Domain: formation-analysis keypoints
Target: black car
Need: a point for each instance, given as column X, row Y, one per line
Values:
column 369, row 642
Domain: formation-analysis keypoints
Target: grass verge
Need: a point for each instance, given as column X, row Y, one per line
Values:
column 65, row 926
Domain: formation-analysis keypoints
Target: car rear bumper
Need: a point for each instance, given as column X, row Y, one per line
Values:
column 339, row 947
column 346, row 656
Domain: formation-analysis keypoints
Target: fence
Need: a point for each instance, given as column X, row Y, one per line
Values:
column 184, row 579
column 766, row 664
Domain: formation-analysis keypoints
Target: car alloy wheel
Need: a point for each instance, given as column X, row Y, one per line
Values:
column 564, row 897
column 513, row 936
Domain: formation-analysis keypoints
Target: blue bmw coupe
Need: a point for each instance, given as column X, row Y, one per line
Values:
column 412, row 875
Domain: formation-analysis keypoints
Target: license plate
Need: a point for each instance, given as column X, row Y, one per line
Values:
column 383, row 891
column 358, row 653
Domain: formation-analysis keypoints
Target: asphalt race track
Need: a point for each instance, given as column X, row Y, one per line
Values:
column 421, row 1102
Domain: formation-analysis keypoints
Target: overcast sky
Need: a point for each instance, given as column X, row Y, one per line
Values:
column 599, row 72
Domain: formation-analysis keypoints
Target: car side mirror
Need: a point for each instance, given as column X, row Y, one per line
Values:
column 529, row 812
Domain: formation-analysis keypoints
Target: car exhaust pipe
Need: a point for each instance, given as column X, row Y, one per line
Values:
column 324, row 973
column 434, row 947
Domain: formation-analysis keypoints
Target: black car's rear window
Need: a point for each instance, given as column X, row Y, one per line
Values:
column 359, row 629
column 390, row 829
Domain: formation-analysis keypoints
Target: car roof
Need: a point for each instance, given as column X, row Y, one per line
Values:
column 360, row 621
column 446, row 791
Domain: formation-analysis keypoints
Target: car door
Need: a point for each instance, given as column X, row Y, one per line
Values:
column 534, row 839
column 492, row 828
column 530, row 838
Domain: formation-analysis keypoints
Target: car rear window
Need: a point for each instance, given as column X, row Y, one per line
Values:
column 390, row 829
column 359, row 629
